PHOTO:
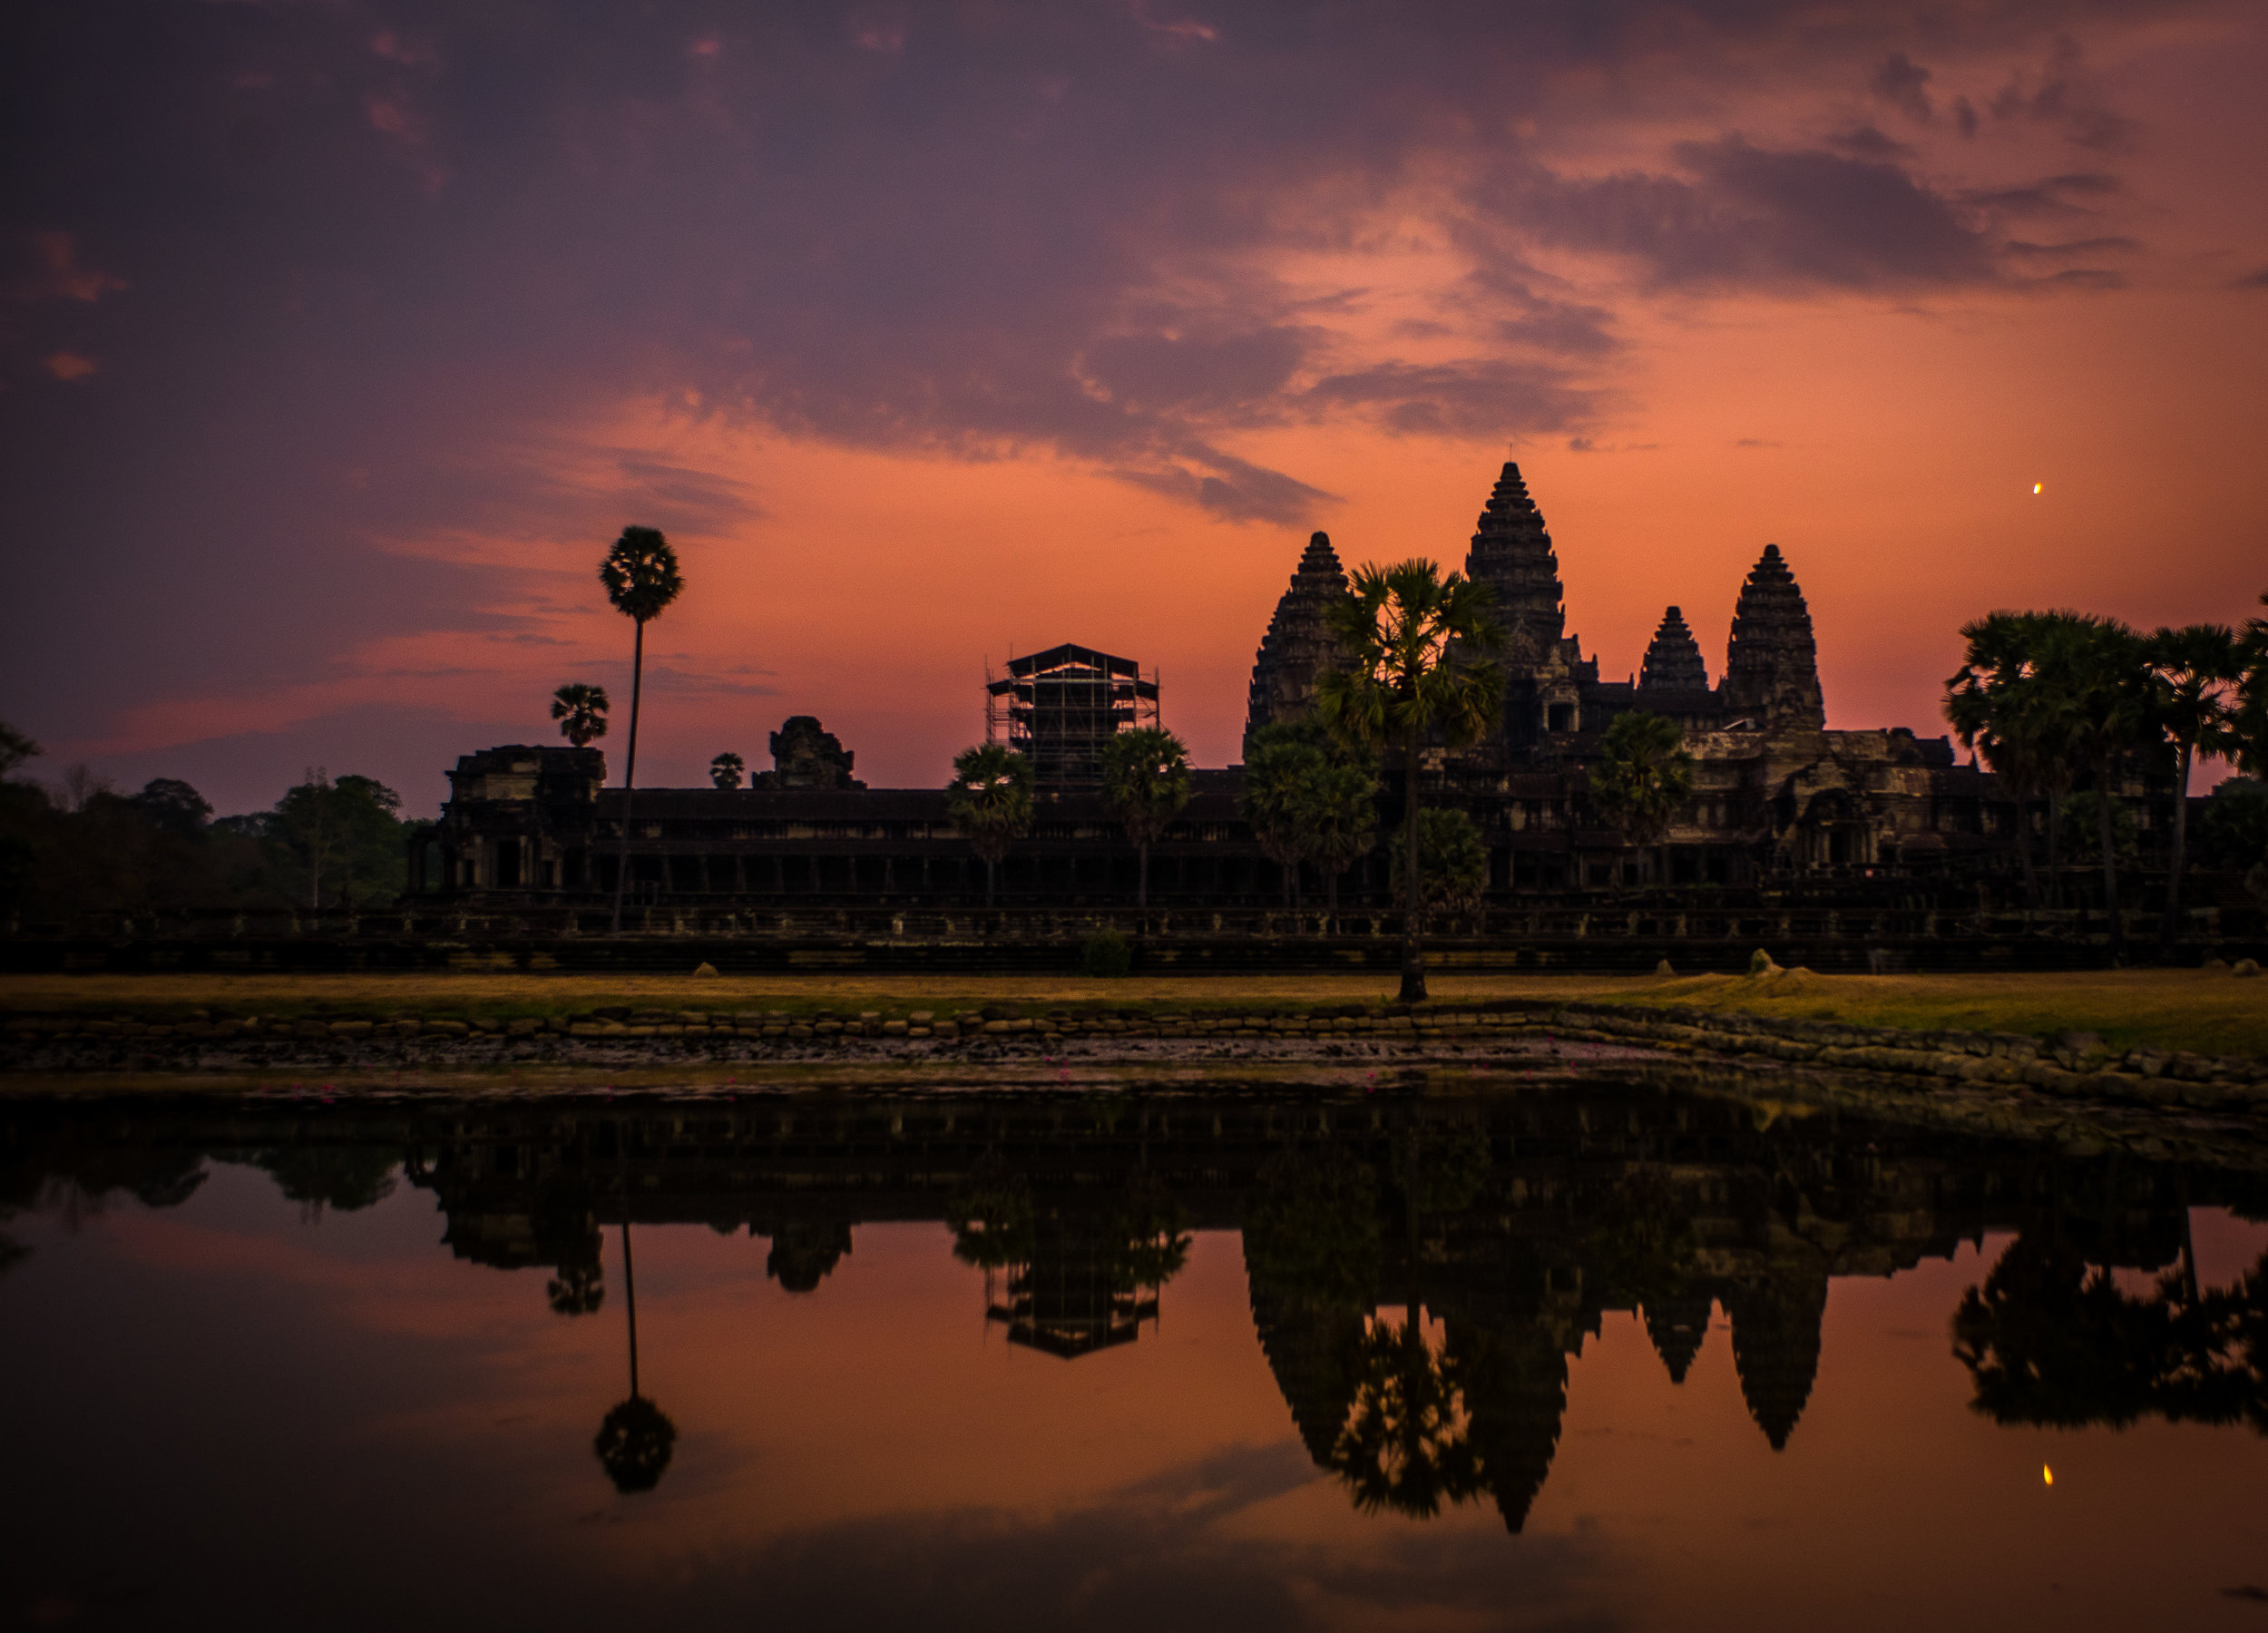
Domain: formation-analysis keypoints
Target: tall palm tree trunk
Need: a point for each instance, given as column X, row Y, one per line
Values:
column 2024, row 852
column 629, row 782
column 2055, row 849
column 629, row 1298
column 2170, row 925
column 2110, row 861
column 1412, row 955
column 1141, row 878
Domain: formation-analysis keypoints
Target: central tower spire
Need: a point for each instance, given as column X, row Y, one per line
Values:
column 1511, row 554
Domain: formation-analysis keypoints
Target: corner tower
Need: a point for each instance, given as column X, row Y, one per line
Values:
column 1771, row 664
column 1297, row 647
column 1511, row 554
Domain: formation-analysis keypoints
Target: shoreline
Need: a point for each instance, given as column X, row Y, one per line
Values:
column 2070, row 1090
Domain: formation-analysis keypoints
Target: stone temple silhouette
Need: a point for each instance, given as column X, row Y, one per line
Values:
column 1779, row 796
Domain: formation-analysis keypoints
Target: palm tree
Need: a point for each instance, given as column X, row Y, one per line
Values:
column 1417, row 648
column 1279, row 758
column 2002, row 706
column 1981, row 705
column 642, row 578
column 1643, row 779
column 990, row 801
column 726, row 768
column 580, row 711
column 2099, row 678
column 1407, row 1445
column 1452, row 862
column 636, row 1438
column 1146, row 782
column 576, row 1290
column 1335, row 812
column 2196, row 670
column 2246, row 739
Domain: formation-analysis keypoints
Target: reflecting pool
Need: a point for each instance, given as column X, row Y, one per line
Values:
column 1596, row 1357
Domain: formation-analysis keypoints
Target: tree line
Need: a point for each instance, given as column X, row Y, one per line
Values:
column 82, row 845
column 2061, row 705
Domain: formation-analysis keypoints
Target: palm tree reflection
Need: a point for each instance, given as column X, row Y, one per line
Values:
column 636, row 1439
column 1407, row 1442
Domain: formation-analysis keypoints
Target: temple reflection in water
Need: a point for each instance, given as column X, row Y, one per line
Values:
column 1422, row 1269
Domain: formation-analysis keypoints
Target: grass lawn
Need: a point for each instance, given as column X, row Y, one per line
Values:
column 2211, row 1012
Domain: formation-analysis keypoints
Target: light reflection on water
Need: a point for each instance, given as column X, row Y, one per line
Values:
column 1598, row 1358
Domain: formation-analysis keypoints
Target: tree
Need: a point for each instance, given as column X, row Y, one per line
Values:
column 1310, row 798
column 636, row 1439
column 726, row 768
column 2053, row 1341
column 581, row 711
column 2234, row 832
column 342, row 1178
column 2245, row 735
column 346, row 832
column 1334, row 813
column 306, row 826
column 174, row 805
column 1149, row 1235
column 1998, row 710
column 1407, row 1445
column 992, row 1217
column 642, row 578
column 2100, row 682
column 1643, row 779
column 1145, row 781
column 576, row 1290
column 1417, row 647
column 1278, row 760
column 1452, row 863
column 16, row 748
column 990, row 801
column 2196, row 670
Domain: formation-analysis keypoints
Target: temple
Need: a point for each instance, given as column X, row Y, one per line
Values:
column 1779, row 798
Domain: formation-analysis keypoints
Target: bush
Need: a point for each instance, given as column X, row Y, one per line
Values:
column 1106, row 955
column 2232, row 831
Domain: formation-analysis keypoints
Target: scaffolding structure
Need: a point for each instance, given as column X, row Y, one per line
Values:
column 1059, row 708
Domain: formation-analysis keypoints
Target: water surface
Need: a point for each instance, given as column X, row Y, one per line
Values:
column 1592, row 1358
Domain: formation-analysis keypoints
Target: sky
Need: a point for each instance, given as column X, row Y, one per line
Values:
column 338, row 338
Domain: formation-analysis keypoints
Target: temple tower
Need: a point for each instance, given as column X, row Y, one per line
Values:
column 1673, row 662
column 1771, row 665
column 805, row 755
column 1298, row 646
column 1511, row 554
column 1515, row 1383
column 1775, row 1347
column 1677, row 1323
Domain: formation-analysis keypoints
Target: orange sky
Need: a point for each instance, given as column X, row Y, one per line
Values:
column 943, row 365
